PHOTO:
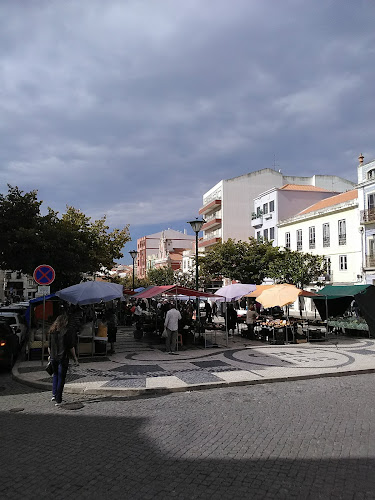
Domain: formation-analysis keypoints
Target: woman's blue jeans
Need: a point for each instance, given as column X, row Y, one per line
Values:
column 60, row 368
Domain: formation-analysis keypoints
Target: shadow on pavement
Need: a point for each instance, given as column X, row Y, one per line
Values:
column 57, row 456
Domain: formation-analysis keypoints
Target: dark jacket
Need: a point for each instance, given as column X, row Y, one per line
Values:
column 60, row 343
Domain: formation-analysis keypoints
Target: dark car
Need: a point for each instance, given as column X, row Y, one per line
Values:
column 9, row 346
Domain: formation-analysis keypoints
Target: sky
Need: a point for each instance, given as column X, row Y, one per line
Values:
column 133, row 109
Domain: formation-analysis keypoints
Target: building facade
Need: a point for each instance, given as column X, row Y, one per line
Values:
column 330, row 228
column 162, row 249
column 228, row 206
column 366, row 203
column 281, row 203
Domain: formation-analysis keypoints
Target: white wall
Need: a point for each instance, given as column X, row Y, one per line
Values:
column 352, row 249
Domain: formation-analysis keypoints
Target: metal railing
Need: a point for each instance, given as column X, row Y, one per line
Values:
column 368, row 215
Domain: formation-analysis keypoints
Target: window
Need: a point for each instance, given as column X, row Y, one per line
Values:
column 272, row 206
column 328, row 267
column 312, row 237
column 258, row 236
column 299, row 239
column 287, row 240
column 265, row 235
column 342, row 232
column 343, row 262
column 326, row 239
column 259, row 212
column 265, row 209
column 272, row 233
column 371, row 174
column 371, row 201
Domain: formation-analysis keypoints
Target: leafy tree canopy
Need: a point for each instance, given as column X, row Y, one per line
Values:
column 297, row 268
column 72, row 244
column 161, row 276
column 247, row 262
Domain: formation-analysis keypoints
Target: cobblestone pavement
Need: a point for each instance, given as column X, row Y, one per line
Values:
column 309, row 439
column 143, row 367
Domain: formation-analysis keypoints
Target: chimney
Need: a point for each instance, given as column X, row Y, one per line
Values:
column 360, row 158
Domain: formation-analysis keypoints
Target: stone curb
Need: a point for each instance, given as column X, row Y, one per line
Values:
column 130, row 393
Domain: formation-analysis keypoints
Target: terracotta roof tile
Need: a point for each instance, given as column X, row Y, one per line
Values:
column 331, row 201
column 303, row 187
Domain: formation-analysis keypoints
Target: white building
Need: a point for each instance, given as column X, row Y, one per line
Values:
column 366, row 204
column 228, row 206
column 281, row 203
column 331, row 228
column 15, row 285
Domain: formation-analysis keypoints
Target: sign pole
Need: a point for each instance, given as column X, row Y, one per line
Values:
column 44, row 275
column 43, row 324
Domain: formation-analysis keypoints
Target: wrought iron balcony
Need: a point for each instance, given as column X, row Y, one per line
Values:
column 368, row 216
column 326, row 241
column 370, row 262
column 342, row 239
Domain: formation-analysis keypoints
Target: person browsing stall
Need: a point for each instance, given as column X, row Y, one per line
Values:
column 172, row 318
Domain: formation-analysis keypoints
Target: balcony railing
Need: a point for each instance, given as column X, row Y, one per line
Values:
column 311, row 244
column 368, row 215
column 342, row 239
column 209, row 207
column 257, row 222
column 370, row 261
column 299, row 245
column 326, row 241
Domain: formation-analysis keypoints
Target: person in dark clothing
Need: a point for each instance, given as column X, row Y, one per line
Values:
column 208, row 310
column 60, row 346
column 231, row 319
column 111, row 329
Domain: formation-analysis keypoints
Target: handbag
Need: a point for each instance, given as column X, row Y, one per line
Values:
column 164, row 335
column 49, row 368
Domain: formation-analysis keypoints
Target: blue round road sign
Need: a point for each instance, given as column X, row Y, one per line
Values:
column 44, row 275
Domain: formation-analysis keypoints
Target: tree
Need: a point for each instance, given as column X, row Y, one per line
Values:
column 72, row 244
column 297, row 268
column 161, row 276
column 247, row 262
column 20, row 226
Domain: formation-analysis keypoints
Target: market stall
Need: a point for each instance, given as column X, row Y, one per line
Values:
column 173, row 292
column 334, row 303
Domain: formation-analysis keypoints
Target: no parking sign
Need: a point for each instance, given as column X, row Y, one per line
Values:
column 44, row 274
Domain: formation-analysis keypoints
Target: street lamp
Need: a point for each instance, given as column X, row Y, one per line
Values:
column 196, row 226
column 133, row 255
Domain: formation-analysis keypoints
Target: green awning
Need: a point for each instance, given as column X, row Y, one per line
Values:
column 336, row 291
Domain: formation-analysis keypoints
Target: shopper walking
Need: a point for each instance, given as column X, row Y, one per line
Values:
column 172, row 318
column 60, row 346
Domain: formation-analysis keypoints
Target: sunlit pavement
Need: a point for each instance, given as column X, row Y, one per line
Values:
column 142, row 368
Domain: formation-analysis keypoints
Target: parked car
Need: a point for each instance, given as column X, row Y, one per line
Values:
column 9, row 345
column 17, row 322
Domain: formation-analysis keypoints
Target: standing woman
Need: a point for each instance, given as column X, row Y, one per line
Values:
column 61, row 344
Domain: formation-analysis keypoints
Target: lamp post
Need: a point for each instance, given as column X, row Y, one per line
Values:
column 196, row 226
column 133, row 255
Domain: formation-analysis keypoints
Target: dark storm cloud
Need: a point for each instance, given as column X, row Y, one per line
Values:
column 135, row 108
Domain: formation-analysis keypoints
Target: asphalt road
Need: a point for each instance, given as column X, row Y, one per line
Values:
column 312, row 439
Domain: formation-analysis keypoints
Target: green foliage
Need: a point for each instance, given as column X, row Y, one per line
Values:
column 297, row 268
column 161, row 276
column 247, row 262
column 71, row 244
